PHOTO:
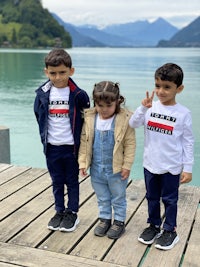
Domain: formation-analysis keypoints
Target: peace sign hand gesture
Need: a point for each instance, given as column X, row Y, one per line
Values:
column 147, row 102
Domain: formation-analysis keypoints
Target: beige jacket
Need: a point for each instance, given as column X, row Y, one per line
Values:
column 125, row 144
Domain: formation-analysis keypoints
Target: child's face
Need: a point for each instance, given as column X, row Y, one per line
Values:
column 166, row 91
column 59, row 75
column 105, row 110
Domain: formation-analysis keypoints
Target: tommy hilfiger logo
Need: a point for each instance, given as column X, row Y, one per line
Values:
column 59, row 109
column 161, row 123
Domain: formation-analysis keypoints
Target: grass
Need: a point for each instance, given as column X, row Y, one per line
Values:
column 7, row 29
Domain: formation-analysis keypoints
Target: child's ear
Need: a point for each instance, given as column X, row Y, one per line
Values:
column 46, row 71
column 72, row 70
column 180, row 88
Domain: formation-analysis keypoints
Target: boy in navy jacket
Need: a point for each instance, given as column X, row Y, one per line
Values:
column 58, row 108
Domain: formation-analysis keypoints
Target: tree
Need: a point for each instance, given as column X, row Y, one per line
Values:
column 26, row 42
column 34, row 22
column 14, row 36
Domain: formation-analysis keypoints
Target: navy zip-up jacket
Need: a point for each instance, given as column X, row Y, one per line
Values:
column 78, row 100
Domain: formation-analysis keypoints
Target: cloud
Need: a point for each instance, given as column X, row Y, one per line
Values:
column 105, row 12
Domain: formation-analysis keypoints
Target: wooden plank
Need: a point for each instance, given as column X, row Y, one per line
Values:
column 86, row 190
column 24, row 195
column 31, row 257
column 11, row 172
column 192, row 258
column 30, row 211
column 87, row 214
column 36, row 229
column 20, row 181
column 133, row 254
column 4, row 166
column 5, row 264
column 100, row 245
column 63, row 242
column 23, row 216
column 187, row 205
column 127, row 250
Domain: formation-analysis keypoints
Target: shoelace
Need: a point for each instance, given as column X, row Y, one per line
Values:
column 102, row 224
column 116, row 227
column 149, row 229
column 57, row 216
column 69, row 216
column 166, row 235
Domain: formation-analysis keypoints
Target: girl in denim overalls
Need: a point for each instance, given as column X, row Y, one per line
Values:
column 108, row 149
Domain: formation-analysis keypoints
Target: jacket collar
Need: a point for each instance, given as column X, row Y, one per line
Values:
column 47, row 86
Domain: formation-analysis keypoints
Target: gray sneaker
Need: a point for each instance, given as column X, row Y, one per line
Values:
column 116, row 230
column 102, row 227
column 69, row 221
column 54, row 223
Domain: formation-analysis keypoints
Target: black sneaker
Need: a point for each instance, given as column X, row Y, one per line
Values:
column 102, row 227
column 116, row 230
column 167, row 240
column 69, row 222
column 54, row 223
column 149, row 234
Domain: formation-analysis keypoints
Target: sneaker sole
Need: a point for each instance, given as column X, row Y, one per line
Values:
column 53, row 228
column 168, row 247
column 63, row 229
column 101, row 234
column 150, row 241
column 116, row 237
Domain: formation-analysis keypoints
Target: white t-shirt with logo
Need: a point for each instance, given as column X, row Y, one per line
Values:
column 59, row 128
column 169, row 141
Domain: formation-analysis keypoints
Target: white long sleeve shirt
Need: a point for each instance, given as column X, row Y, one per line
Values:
column 169, row 141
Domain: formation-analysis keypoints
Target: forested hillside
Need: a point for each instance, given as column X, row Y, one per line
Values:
column 26, row 24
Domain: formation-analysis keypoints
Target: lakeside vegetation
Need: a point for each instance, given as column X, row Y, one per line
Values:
column 26, row 24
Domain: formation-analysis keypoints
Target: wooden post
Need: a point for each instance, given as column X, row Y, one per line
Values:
column 4, row 145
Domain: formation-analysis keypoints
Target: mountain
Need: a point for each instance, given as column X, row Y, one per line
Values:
column 189, row 36
column 78, row 39
column 143, row 33
column 128, row 29
column 101, row 36
column 133, row 34
column 26, row 24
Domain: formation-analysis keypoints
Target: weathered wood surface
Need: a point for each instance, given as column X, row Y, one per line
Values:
column 26, row 205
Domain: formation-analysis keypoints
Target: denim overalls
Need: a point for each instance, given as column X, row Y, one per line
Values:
column 109, row 188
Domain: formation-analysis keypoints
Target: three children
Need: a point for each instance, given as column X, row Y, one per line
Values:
column 106, row 146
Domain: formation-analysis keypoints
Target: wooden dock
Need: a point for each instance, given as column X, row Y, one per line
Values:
column 26, row 205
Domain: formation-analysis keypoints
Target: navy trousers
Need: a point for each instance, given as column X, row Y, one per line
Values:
column 63, row 168
column 162, row 187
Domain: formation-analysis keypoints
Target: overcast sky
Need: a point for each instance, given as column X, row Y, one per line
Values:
column 104, row 12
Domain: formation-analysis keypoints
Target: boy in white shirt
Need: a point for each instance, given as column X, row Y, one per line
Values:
column 58, row 108
column 168, row 153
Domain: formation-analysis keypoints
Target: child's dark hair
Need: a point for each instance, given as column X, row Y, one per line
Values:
column 108, row 92
column 58, row 56
column 170, row 72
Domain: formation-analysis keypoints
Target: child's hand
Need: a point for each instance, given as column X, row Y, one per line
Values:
column 186, row 177
column 147, row 102
column 125, row 174
column 83, row 172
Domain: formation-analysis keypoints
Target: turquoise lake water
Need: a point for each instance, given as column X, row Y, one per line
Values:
column 21, row 72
